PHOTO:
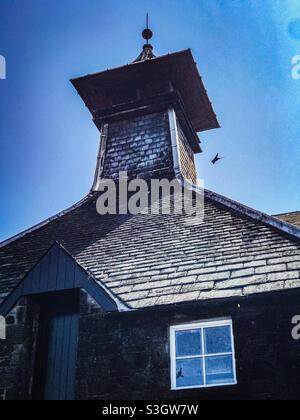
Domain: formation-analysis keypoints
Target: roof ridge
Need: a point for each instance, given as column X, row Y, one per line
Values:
column 46, row 221
column 235, row 205
column 243, row 209
column 255, row 214
column 286, row 213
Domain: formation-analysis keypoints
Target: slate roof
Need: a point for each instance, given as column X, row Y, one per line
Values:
column 57, row 270
column 148, row 260
column 293, row 218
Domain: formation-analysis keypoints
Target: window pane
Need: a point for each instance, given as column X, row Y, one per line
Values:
column 188, row 343
column 219, row 370
column 189, row 372
column 217, row 340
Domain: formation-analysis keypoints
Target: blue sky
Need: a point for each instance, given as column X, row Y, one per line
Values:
column 243, row 48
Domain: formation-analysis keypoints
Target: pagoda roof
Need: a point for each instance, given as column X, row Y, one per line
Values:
column 179, row 67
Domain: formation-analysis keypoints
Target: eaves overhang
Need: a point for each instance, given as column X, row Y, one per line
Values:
column 179, row 68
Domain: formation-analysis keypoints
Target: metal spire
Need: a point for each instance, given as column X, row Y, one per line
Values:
column 147, row 33
column 147, row 52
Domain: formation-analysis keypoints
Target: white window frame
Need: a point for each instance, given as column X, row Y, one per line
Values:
column 212, row 323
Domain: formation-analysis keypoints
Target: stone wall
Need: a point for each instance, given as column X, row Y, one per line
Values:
column 127, row 355
column 17, row 352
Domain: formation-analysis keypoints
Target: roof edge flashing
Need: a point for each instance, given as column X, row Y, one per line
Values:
column 243, row 209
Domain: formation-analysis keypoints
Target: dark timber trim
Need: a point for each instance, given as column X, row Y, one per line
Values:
column 150, row 105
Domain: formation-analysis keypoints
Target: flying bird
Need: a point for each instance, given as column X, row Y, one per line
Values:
column 216, row 158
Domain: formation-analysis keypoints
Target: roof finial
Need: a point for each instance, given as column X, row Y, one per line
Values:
column 147, row 53
column 147, row 33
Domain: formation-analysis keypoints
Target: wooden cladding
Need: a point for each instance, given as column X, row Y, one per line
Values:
column 186, row 154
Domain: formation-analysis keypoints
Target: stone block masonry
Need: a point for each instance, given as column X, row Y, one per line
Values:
column 127, row 356
column 17, row 352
